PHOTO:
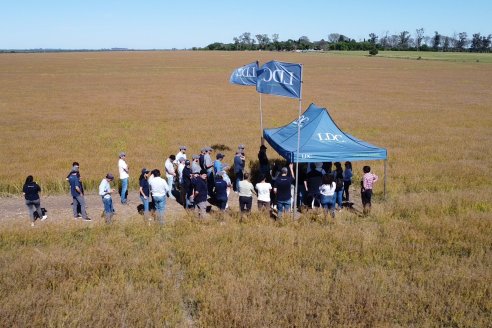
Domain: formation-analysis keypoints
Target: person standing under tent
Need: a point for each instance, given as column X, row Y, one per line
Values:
column 338, row 177
column 327, row 194
column 124, row 176
column 282, row 190
column 77, row 195
column 312, row 183
column 367, row 183
column 31, row 191
column 105, row 192
column 170, row 174
column 347, row 180
column 264, row 163
column 159, row 189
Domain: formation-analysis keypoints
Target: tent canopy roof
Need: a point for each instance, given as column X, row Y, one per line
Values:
column 321, row 140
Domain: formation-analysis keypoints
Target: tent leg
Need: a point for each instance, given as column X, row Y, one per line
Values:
column 384, row 185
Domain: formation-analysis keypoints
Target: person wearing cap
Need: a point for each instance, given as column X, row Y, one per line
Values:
column 239, row 163
column 170, row 174
column 226, row 178
column 144, row 191
column 195, row 164
column 77, row 195
column 76, row 167
column 181, row 153
column 159, row 189
column 181, row 166
column 282, row 189
column 105, row 192
column 218, row 163
column 200, row 193
column 185, row 185
column 124, row 176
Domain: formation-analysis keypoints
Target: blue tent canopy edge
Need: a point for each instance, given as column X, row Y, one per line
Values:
column 321, row 140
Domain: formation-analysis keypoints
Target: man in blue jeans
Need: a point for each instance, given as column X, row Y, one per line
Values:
column 123, row 170
column 77, row 195
column 105, row 192
column 282, row 189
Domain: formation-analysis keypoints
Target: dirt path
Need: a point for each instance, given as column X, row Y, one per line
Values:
column 59, row 207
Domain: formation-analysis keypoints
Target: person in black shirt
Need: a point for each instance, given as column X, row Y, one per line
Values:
column 185, row 186
column 312, row 183
column 31, row 192
column 282, row 188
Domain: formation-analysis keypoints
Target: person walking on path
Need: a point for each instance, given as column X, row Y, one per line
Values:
column 246, row 191
column 105, row 192
column 159, row 189
column 170, row 174
column 367, row 183
column 264, row 188
column 145, row 191
column 282, row 189
column 77, row 195
column 327, row 194
column 124, row 176
column 31, row 191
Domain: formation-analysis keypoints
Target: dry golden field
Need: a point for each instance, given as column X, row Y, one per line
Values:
column 423, row 258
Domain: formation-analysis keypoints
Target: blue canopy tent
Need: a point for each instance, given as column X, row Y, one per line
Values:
column 320, row 140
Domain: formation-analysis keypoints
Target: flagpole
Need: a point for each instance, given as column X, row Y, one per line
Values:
column 298, row 149
column 261, row 122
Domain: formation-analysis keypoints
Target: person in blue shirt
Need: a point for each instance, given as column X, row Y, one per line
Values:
column 221, row 191
column 77, row 195
column 218, row 166
column 347, row 180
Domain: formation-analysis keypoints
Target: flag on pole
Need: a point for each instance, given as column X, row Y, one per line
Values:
column 281, row 79
column 245, row 75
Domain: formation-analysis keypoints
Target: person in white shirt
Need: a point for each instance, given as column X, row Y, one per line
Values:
column 327, row 194
column 159, row 189
column 246, row 191
column 181, row 166
column 264, row 188
column 182, row 153
column 170, row 174
column 123, row 170
column 105, row 192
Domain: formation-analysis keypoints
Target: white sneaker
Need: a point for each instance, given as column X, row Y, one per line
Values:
column 32, row 224
column 44, row 217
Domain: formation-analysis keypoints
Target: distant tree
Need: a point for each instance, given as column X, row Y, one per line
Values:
column 333, row 37
column 384, row 41
column 476, row 43
column 446, row 44
column 419, row 36
column 263, row 41
column 304, row 43
column 486, row 41
column 373, row 38
column 403, row 40
column 436, row 41
column 462, row 41
column 275, row 37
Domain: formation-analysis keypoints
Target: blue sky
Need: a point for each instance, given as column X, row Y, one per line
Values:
column 149, row 24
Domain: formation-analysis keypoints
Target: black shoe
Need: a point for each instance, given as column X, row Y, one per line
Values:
column 87, row 219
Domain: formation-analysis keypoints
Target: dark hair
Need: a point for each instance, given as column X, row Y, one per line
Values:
column 262, row 177
column 366, row 169
column 348, row 164
column 141, row 177
column 156, row 173
column 29, row 179
column 327, row 179
column 172, row 157
column 246, row 175
column 75, row 164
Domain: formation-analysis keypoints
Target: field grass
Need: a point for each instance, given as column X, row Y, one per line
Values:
column 429, row 271
column 423, row 258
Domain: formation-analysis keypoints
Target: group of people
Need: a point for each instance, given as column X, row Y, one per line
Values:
column 201, row 181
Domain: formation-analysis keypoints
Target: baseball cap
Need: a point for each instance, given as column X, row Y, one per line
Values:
column 187, row 162
column 109, row 176
column 182, row 147
column 122, row 154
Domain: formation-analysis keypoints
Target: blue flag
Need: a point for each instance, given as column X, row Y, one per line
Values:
column 281, row 79
column 245, row 75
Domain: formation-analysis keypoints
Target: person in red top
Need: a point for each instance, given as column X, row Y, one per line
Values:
column 366, row 188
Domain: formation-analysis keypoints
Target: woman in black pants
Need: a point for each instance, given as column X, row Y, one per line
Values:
column 31, row 192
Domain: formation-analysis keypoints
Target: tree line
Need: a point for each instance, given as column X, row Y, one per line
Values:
column 402, row 41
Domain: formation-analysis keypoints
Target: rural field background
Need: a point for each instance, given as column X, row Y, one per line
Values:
column 423, row 257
